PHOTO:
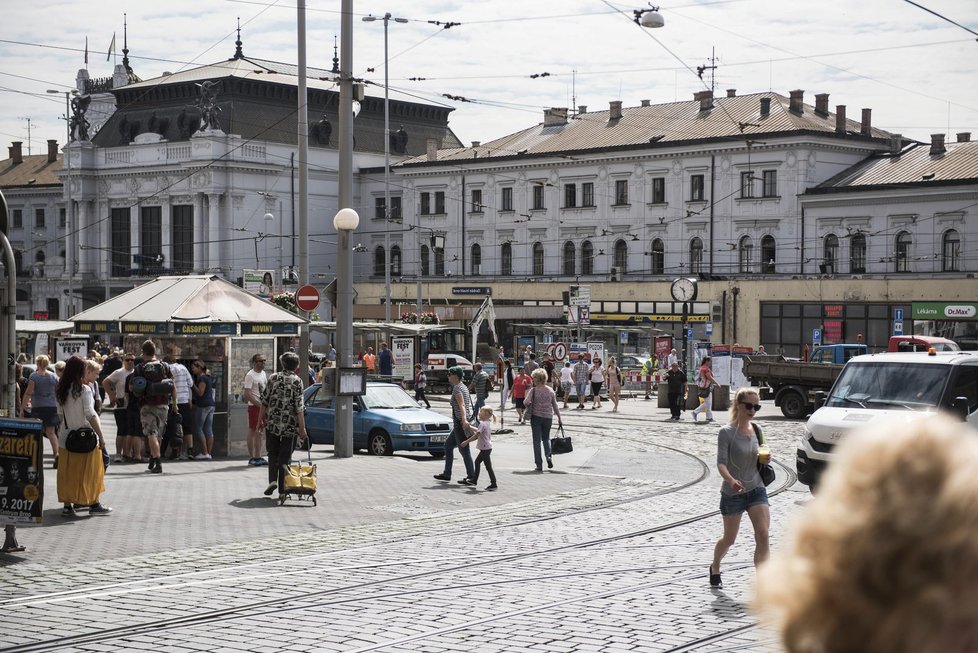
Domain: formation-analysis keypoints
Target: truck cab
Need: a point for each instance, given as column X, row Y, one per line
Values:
column 838, row 354
column 898, row 387
column 921, row 343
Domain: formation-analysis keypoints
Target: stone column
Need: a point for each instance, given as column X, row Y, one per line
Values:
column 166, row 218
column 213, row 230
column 200, row 233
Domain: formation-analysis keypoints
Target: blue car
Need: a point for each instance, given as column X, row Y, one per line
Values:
column 386, row 419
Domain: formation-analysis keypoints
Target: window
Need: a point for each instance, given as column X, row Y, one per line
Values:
column 120, row 242
column 769, row 254
column 506, row 259
column 659, row 190
column 621, row 192
column 538, row 259
column 658, row 256
column 538, row 196
column 476, row 259
column 395, row 260
column 696, row 193
column 440, row 202
column 770, row 183
column 951, row 251
column 696, row 256
column 425, row 261
column 425, row 203
column 477, row 206
column 182, row 237
column 395, row 214
column 507, row 202
column 569, row 255
column 62, row 217
column 379, row 261
column 746, row 185
column 39, row 218
column 587, row 194
column 857, row 254
column 621, row 257
column 439, row 262
column 18, row 219
column 587, row 257
column 570, row 196
column 746, row 247
column 904, row 242
column 379, row 211
column 151, row 238
column 830, row 256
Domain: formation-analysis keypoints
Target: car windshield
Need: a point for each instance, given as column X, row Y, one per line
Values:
column 889, row 385
column 388, row 396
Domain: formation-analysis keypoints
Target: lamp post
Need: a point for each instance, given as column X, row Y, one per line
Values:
column 345, row 221
column 387, row 167
column 69, row 221
column 650, row 18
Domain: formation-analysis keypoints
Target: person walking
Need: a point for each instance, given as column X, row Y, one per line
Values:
column 420, row 383
column 479, row 386
column 254, row 385
column 115, row 389
column 40, row 395
column 204, row 407
column 385, row 360
column 705, row 386
column 81, row 476
column 156, row 402
column 282, row 417
column 482, row 436
column 542, row 402
column 581, row 378
column 676, row 382
column 596, row 376
column 566, row 381
column 742, row 490
column 461, row 414
column 531, row 364
column 521, row 385
column 613, row 375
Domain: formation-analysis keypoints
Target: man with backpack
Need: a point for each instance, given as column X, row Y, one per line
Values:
column 152, row 383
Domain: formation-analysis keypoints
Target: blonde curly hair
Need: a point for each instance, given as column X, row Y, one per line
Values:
column 885, row 559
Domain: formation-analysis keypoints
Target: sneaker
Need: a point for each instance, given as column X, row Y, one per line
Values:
column 492, row 487
column 67, row 511
column 152, row 464
column 208, row 456
column 442, row 477
column 550, row 463
column 466, row 481
column 709, row 419
column 715, row 580
column 99, row 509
column 251, row 462
column 54, row 465
column 78, row 506
column 157, row 470
column 271, row 488
column 117, row 460
column 201, row 456
column 260, row 461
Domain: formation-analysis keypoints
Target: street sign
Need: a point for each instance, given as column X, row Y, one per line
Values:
column 307, row 298
column 559, row 352
column 584, row 315
column 816, row 336
column 623, row 337
column 709, row 328
column 689, row 333
column 898, row 315
column 898, row 328
column 580, row 295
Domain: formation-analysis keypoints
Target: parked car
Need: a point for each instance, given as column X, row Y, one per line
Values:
column 385, row 419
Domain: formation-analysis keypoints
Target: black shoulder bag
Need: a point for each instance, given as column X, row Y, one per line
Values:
column 766, row 470
column 80, row 440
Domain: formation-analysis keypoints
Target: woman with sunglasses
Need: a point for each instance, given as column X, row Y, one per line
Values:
column 743, row 490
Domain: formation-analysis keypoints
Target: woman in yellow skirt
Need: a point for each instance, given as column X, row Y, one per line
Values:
column 81, row 476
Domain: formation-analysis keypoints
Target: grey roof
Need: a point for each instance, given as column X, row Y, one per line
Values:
column 198, row 299
column 733, row 118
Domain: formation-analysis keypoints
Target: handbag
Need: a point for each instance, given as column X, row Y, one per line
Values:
column 703, row 393
column 765, row 470
column 528, row 405
column 561, row 443
column 80, row 440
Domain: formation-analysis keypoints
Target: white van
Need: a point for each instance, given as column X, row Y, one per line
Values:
column 891, row 386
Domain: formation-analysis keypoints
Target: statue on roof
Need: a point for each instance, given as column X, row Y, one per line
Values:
column 207, row 103
column 399, row 141
column 322, row 130
column 77, row 124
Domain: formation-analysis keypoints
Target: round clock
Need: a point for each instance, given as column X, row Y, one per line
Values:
column 684, row 289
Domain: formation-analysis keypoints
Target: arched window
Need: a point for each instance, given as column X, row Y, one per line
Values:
column 746, row 249
column 439, row 261
column 570, row 265
column 696, row 256
column 587, row 257
column 379, row 261
column 39, row 258
column 425, row 261
column 621, row 256
column 769, row 254
column 951, row 251
column 476, row 259
column 506, row 259
column 857, row 254
column 538, row 259
column 830, row 255
column 904, row 243
column 658, row 256
column 395, row 260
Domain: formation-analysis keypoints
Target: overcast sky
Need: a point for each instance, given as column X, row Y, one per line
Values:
column 916, row 71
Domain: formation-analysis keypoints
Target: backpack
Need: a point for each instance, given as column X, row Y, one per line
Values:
column 149, row 379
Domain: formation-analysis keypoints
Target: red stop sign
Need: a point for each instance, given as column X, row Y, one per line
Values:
column 307, row 298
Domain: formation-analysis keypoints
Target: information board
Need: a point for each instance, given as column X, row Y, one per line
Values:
column 21, row 471
column 402, row 348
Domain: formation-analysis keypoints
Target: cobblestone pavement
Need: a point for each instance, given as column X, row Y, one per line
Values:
column 606, row 553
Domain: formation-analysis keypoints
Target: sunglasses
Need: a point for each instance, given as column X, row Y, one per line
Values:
column 260, row 360
column 754, row 407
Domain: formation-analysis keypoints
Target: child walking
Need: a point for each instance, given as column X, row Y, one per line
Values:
column 482, row 435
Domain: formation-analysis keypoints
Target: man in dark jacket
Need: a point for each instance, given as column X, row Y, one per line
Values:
column 676, row 380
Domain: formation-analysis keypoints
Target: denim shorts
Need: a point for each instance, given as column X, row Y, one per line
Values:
column 734, row 504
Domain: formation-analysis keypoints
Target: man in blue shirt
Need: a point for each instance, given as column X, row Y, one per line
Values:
column 385, row 360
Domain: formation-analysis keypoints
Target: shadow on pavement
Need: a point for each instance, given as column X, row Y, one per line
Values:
column 254, row 502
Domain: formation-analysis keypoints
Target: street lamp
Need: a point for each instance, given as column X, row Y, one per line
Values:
column 387, row 168
column 69, row 221
column 345, row 222
column 650, row 18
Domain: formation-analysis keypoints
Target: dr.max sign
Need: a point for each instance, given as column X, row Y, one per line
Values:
column 945, row 311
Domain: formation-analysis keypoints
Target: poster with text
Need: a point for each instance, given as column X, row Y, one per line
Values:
column 595, row 350
column 260, row 282
column 21, row 471
column 68, row 347
column 402, row 348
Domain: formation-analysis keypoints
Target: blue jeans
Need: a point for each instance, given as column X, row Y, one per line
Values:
column 479, row 403
column 540, row 427
column 458, row 435
column 204, row 421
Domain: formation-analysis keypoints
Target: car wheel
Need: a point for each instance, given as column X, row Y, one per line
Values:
column 793, row 405
column 379, row 444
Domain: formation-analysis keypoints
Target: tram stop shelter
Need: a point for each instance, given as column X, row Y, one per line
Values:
column 200, row 317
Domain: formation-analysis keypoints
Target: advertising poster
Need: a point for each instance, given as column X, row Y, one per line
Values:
column 259, row 282
column 68, row 347
column 402, row 348
column 521, row 344
column 663, row 345
column 21, row 471
column 579, row 350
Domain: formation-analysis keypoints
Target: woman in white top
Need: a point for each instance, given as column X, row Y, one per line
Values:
column 566, row 380
column 80, row 475
column 596, row 374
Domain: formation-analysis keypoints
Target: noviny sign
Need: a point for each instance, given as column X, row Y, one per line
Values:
column 945, row 311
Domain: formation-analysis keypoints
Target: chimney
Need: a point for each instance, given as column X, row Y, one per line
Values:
column 896, row 143
column 52, row 150
column 822, row 104
column 705, row 99
column 731, row 92
column 840, row 119
column 765, row 106
column 937, row 144
column 797, row 101
column 554, row 116
column 16, row 154
column 964, row 137
column 646, row 103
column 614, row 112
column 582, row 109
column 432, row 149
column 476, row 143
column 866, row 128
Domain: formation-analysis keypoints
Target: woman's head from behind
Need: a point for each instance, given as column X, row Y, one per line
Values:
column 72, row 378
column 539, row 376
column 42, row 362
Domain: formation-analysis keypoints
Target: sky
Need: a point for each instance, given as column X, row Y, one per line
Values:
column 511, row 59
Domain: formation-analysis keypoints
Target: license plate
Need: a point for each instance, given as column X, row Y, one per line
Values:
column 437, row 438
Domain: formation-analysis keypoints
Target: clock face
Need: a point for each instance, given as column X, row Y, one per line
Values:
column 684, row 290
